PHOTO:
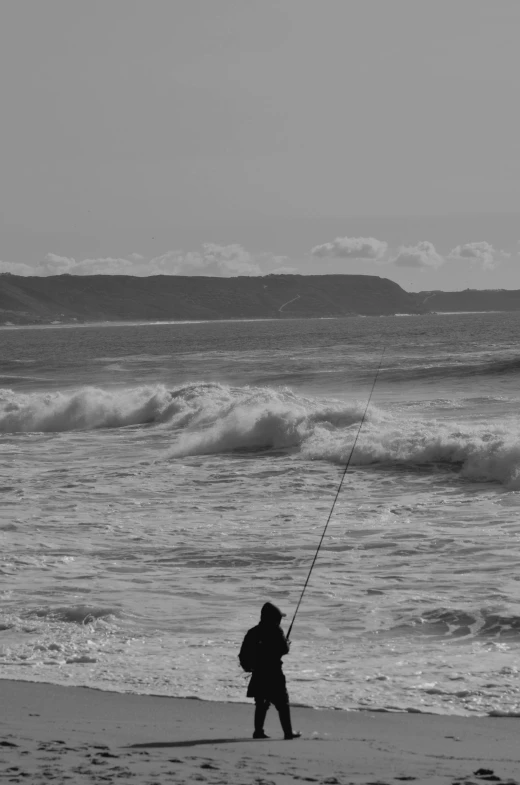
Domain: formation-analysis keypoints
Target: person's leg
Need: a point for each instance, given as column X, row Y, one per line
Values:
column 261, row 707
column 284, row 712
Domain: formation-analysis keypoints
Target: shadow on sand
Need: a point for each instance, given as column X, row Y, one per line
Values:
column 191, row 743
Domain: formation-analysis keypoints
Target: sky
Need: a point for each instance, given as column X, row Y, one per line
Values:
column 243, row 137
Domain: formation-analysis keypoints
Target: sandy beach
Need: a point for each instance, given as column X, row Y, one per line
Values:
column 69, row 734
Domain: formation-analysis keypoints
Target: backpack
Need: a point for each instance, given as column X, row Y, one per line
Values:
column 248, row 653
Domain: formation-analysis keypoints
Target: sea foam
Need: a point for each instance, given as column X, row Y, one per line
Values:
column 218, row 419
column 209, row 418
column 482, row 453
column 86, row 408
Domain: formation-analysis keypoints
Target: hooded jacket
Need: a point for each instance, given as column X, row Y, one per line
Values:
column 265, row 645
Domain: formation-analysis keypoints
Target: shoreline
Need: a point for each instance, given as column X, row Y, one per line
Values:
column 159, row 322
column 89, row 735
column 393, row 710
column 145, row 323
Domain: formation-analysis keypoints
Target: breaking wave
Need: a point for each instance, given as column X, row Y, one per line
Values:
column 75, row 614
column 210, row 418
column 450, row 623
column 275, row 412
column 481, row 453
column 219, row 419
column 86, row 408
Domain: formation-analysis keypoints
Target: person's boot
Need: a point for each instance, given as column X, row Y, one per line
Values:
column 284, row 713
column 260, row 715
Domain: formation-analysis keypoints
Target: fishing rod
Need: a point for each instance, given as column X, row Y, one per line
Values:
column 338, row 491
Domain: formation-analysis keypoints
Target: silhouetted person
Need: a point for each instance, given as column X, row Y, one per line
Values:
column 261, row 653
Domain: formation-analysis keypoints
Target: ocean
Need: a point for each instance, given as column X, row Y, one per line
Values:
column 160, row 482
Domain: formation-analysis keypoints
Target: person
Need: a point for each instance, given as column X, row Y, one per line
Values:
column 261, row 653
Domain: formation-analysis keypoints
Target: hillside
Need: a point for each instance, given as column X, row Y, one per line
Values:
column 471, row 300
column 93, row 298
column 68, row 298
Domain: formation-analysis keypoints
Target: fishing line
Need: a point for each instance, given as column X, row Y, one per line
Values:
column 338, row 491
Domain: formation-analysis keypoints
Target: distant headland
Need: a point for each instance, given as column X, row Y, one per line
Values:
column 37, row 300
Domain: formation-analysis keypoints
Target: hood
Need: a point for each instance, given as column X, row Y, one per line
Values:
column 271, row 614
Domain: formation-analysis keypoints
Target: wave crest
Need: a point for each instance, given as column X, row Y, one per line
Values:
column 222, row 419
column 481, row 453
column 209, row 418
column 86, row 408
column 75, row 614
column 216, row 419
column 454, row 623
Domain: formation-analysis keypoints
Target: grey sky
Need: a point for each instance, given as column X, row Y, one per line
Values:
column 279, row 125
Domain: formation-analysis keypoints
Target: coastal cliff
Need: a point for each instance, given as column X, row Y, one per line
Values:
column 68, row 298
column 470, row 300
column 94, row 298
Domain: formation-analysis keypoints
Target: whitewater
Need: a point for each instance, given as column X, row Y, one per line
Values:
column 159, row 482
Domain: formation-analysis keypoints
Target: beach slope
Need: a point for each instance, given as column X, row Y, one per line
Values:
column 70, row 734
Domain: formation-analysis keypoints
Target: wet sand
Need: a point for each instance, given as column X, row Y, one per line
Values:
column 78, row 735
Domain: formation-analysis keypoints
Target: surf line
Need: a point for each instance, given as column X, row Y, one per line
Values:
column 338, row 491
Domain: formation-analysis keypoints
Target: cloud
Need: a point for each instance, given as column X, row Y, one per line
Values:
column 227, row 260
column 352, row 248
column 420, row 256
column 482, row 252
column 16, row 268
column 211, row 260
column 285, row 270
column 52, row 264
